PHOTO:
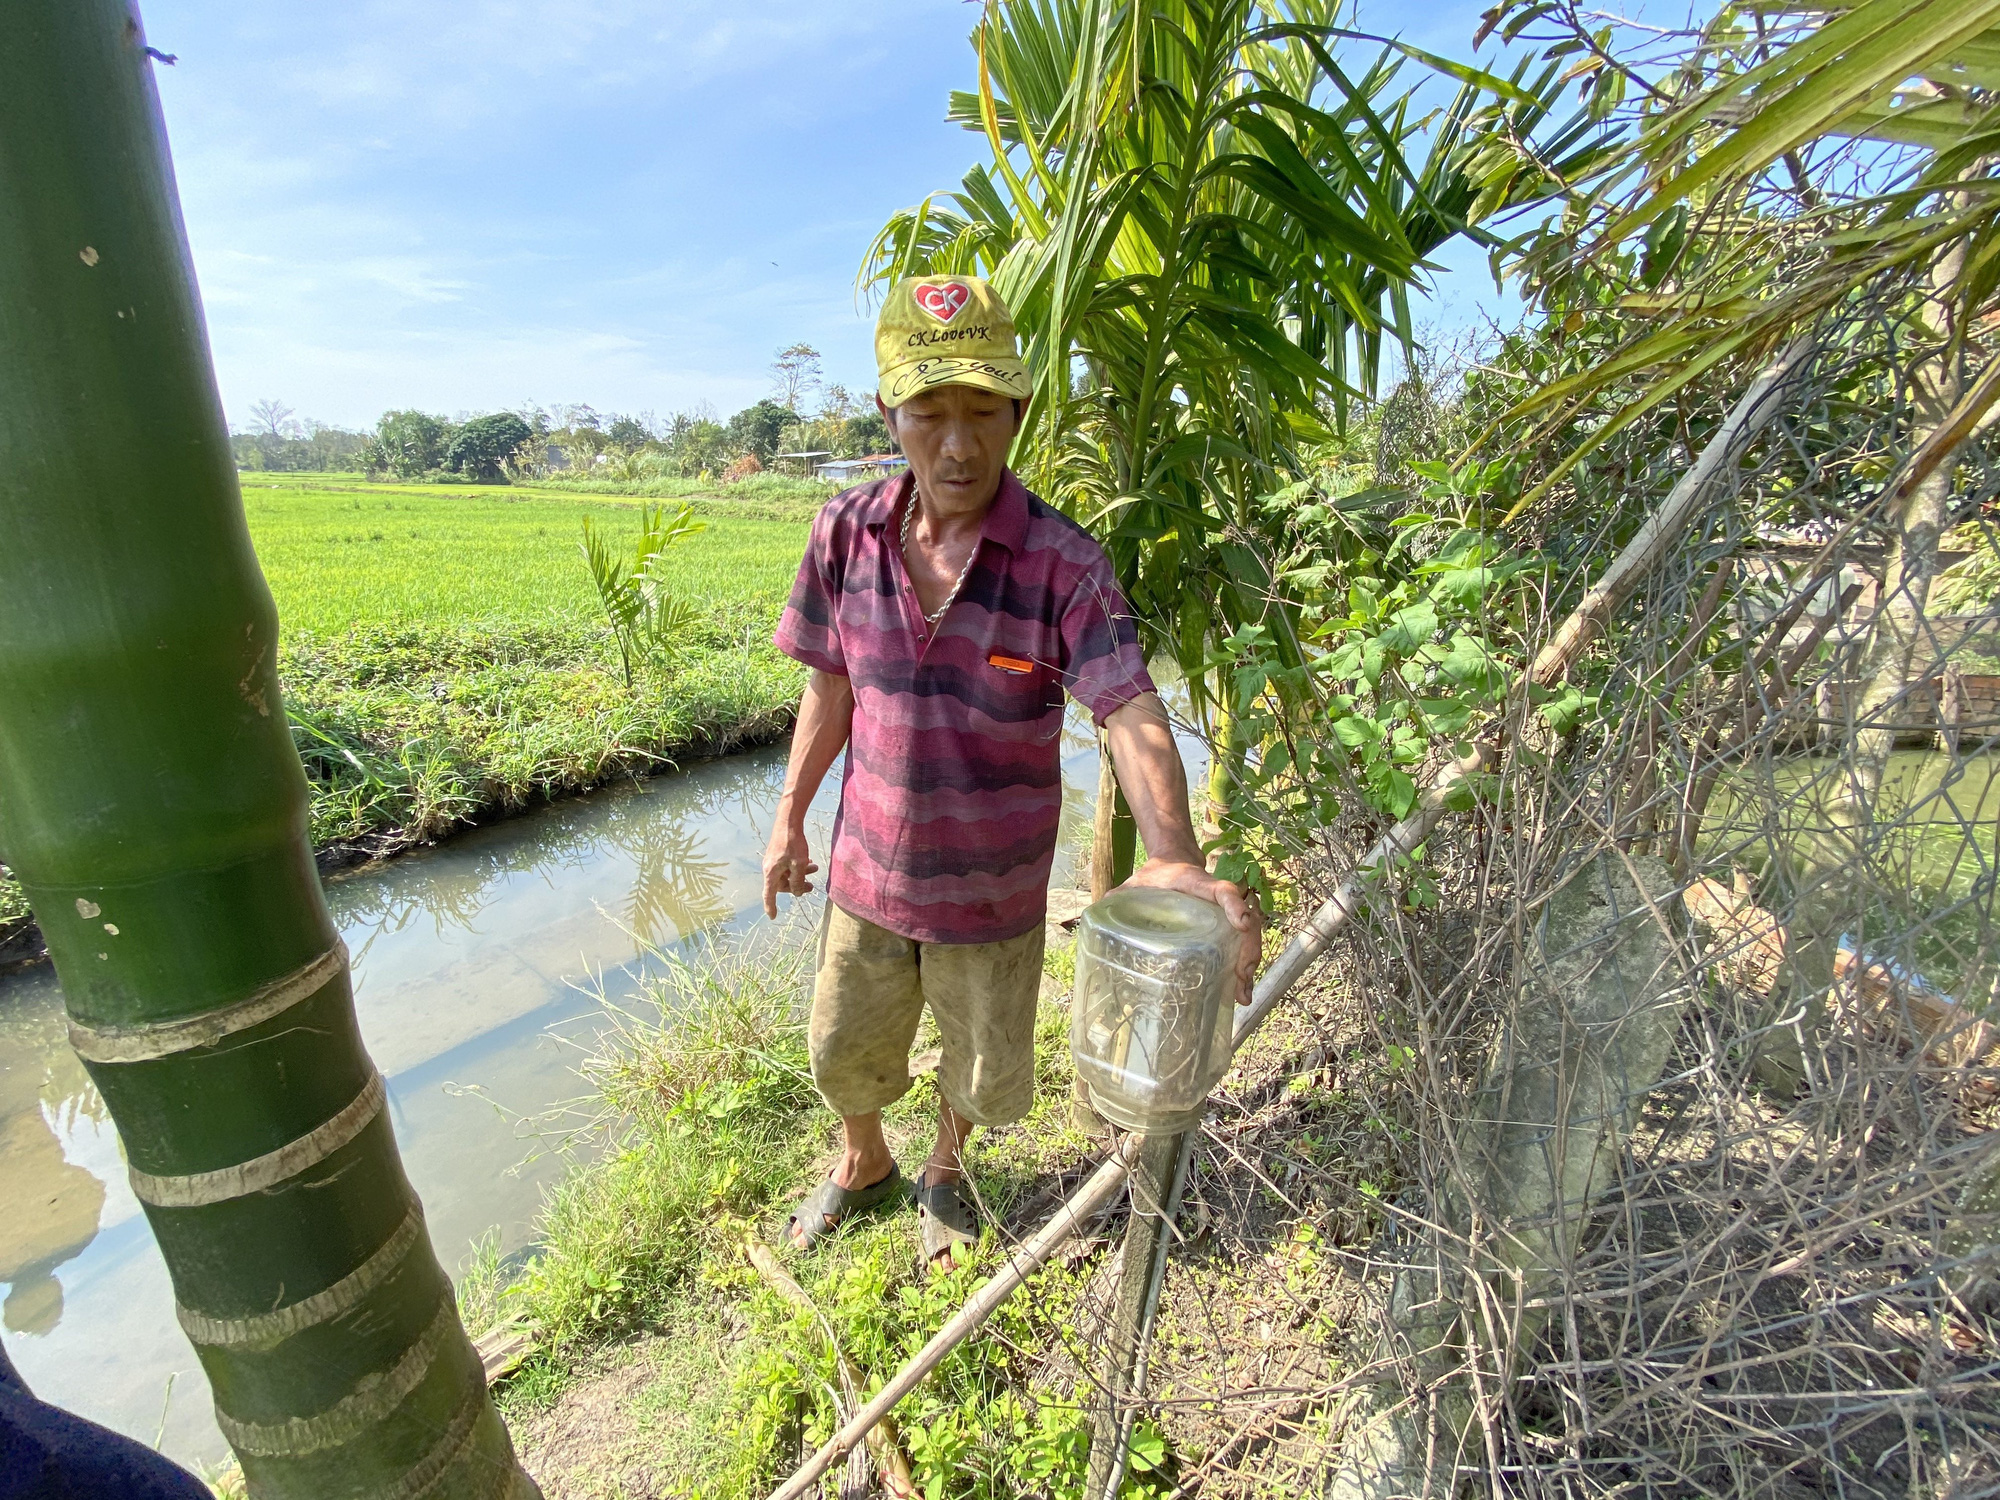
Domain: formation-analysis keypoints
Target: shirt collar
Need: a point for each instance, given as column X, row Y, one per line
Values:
column 1006, row 520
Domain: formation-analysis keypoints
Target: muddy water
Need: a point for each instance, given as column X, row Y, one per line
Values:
column 476, row 970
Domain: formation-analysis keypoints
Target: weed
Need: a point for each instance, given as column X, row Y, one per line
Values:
column 13, row 904
column 1059, row 963
column 645, row 610
column 480, row 1282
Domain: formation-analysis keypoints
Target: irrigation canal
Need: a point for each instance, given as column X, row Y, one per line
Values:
column 478, row 969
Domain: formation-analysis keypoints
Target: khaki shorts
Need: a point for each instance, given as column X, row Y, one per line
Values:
column 871, row 991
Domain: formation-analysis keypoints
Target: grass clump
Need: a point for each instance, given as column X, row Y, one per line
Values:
column 13, row 904
column 708, row 1114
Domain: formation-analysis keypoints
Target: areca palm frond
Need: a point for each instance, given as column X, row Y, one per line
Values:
column 1207, row 228
column 638, row 600
column 1765, row 86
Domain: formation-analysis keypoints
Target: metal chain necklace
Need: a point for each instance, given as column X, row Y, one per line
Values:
column 903, row 543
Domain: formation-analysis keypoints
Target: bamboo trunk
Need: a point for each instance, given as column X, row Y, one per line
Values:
column 1114, row 841
column 154, row 809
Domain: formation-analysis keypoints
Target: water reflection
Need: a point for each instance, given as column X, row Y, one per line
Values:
column 50, row 1115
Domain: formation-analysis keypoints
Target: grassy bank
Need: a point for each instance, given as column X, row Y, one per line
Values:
column 410, row 731
column 664, row 1365
column 711, row 1129
column 444, row 658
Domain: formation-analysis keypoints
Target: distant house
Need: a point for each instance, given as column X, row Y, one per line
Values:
column 807, row 461
column 855, row 470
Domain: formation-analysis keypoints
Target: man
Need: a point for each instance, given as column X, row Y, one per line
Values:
column 944, row 613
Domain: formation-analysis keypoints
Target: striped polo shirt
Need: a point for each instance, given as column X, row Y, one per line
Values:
column 947, row 824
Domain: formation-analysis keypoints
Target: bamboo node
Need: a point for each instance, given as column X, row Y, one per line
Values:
column 272, row 1328
column 373, row 1399
column 129, row 1044
column 199, row 1189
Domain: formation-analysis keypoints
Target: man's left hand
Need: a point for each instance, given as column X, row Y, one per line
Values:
column 1236, row 903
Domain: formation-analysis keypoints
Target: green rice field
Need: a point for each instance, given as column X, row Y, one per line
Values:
column 340, row 552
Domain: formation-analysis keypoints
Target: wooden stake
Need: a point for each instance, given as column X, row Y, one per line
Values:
column 1158, row 1179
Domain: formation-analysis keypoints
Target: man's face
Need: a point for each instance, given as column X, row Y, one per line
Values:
column 957, row 437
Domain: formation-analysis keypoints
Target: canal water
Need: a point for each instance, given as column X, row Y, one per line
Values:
column 480, row 968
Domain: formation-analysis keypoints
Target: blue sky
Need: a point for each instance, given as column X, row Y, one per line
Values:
column 631, row 203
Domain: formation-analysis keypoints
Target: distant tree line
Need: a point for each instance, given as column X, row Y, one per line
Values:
column 804, row 415
column 278, row 440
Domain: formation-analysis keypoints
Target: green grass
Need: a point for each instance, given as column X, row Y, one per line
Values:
column 444, row 656
column 13, row 905
column 409, row 731
column 710, row 1128
column 340, row 554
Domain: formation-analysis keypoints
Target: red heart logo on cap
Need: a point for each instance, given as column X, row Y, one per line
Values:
column 944, row 300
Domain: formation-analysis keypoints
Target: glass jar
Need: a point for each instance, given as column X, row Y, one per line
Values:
column 1150, row 1021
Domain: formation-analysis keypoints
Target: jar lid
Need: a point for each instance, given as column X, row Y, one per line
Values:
column 1158, row 919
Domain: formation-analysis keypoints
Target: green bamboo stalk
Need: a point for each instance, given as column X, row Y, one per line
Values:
column 1114, row 841
column 154, row 809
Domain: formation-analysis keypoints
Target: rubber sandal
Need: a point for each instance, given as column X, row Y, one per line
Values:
column 945, row 1220
column 807, row 1224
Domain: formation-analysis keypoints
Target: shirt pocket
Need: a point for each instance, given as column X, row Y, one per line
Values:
column 1017, row 682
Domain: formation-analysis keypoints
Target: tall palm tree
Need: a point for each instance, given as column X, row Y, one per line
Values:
column 154, row 808
column 1207, row 230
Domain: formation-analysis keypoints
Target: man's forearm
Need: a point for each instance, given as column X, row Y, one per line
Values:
column 826, row 715
column 1148, row 764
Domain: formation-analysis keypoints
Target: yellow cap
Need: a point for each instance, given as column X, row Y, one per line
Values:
column 946, row 330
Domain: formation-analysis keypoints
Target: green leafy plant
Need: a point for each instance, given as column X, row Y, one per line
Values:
column 1405, row 648
column 644, row 612
column 982, row 1428
column 1732, row 213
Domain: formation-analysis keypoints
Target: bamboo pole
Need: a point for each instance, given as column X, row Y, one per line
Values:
column 1114, row 842
column 154, row 809
column 1717, row 463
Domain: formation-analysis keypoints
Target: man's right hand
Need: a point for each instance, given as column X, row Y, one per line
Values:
column 787, row 863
